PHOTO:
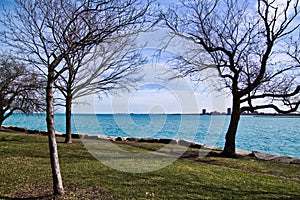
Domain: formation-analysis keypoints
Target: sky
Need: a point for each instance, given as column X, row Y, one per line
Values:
column 154, row 94
column 6, row 3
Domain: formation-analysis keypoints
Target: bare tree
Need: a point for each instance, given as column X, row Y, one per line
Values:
column 21, row 90
column 45, row 32
column 106, row 68
column 244, row 43
column 293, row 49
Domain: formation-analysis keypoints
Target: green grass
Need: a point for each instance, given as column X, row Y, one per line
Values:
column 25, row 173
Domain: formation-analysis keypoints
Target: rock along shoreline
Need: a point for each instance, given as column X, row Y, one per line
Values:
column 256, row 154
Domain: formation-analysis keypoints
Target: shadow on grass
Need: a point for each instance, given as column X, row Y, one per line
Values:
column 42, row 197
column 243, row 193
column 71, row 192
column 7, row 139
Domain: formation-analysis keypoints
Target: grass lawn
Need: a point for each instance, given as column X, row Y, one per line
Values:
column 25, row 173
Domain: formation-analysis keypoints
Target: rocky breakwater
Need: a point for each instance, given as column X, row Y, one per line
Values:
column 257, row 155
column 146, row 140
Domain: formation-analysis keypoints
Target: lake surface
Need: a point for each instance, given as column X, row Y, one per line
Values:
column 274, row 135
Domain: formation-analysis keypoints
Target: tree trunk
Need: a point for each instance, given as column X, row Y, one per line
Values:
column 229, row 149
column 68, row 119
column 57, row 180
column 1, row 110
column 1, row 118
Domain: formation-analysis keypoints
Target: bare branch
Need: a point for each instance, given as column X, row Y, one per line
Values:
column 246, row 48
column 21, row 90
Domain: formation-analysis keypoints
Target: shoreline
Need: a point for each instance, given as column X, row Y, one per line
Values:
column 214, row 113
column 268, row 134
column 256, row 154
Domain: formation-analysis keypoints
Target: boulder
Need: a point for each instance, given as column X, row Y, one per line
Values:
column 295, row 161
column 184, row 143
column 133, row 139
column 44, row 132
column 120, row 139
column 243, row 152
column 59, row 134
column 196, row 145
column 269, row 157
column 167, row 141
column 19, row 129
column 111, row 138
column 33, row 132
column 76, row 136
column 149, row 140
column 214, row 148
column 90, row 137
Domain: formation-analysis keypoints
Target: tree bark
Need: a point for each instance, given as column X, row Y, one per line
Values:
column 2, row 112
column 1, row 117
column 229, row 148
column 57, row 180
column 68, row 119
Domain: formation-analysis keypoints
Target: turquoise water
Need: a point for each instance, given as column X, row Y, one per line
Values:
column 274, row 135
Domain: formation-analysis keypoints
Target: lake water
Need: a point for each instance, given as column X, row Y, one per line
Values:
column 274, row 135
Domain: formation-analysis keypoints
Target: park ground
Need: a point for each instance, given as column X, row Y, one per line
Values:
column 25, row 173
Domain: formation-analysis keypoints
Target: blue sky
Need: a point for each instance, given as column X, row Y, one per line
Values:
column 153, row 95
column 156, row 95
column 6, row 3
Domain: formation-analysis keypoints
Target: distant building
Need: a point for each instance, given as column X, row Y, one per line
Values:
column 216, row 113
column 228, row 111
